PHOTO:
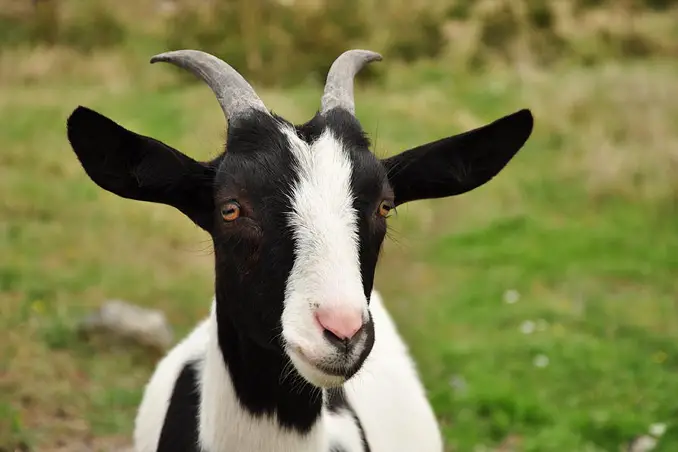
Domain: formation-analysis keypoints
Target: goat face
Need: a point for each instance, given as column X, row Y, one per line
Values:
column 297, row 214
column 298, row 224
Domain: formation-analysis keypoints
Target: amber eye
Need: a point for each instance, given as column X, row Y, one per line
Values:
column 230, row 211
column 385, row 208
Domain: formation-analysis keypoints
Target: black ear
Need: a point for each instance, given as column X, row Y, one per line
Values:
column 138, row 167
column 460, row 163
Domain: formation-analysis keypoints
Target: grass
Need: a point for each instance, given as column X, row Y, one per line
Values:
column 581, row 228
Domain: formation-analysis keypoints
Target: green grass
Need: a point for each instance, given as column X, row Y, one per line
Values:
column 590, row 246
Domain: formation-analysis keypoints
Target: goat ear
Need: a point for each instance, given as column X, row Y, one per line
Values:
column 459, row 163
column 138, row 167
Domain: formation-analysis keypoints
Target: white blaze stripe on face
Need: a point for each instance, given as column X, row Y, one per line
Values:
column 326, row 271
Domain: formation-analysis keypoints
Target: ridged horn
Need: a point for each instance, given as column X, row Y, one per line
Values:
column 234, row 94
column 339, row 85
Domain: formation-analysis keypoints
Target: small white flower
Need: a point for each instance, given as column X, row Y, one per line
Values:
column 657, row 429
column 458, row 383
column 541, row 361
column 643, row 444
column 527, row 327
column 511, row 296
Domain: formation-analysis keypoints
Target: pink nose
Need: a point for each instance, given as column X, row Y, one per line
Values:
column 343, row 323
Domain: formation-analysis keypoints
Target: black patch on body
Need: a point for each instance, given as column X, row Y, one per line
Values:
column 180, row 430
column 337, row 402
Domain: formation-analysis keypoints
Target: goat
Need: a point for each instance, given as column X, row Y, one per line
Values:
column 298, row 353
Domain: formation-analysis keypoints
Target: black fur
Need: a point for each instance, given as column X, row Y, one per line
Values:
column 460, row 163
column 180, row 430
column 257, row 377
column 137, row 167
column 255, row 253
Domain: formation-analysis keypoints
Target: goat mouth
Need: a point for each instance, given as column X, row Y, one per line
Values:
column 337, row 371
column 344, row 371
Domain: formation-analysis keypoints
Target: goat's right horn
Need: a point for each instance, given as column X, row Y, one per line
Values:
column 234, row 94
column 339, row 85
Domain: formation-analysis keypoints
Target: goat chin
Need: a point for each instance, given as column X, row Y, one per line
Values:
column 385, row 406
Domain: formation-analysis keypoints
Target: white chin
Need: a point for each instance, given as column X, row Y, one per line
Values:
column 312, row 374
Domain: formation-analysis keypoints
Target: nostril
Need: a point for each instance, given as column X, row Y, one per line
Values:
column 334, row 339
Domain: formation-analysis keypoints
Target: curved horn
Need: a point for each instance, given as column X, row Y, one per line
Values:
column 339, row 85
column 234, row 94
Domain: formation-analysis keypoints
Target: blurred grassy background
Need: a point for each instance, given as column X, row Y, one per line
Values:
column 542, row 308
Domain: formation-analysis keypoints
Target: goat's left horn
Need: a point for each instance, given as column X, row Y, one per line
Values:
column 339, row 85
column 235, row 95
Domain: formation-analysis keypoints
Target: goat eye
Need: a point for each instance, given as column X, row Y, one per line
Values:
column 385, row 208
column 230, row 211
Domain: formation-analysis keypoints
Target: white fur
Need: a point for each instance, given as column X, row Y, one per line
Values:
column 386, row 394
column 326, row 272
